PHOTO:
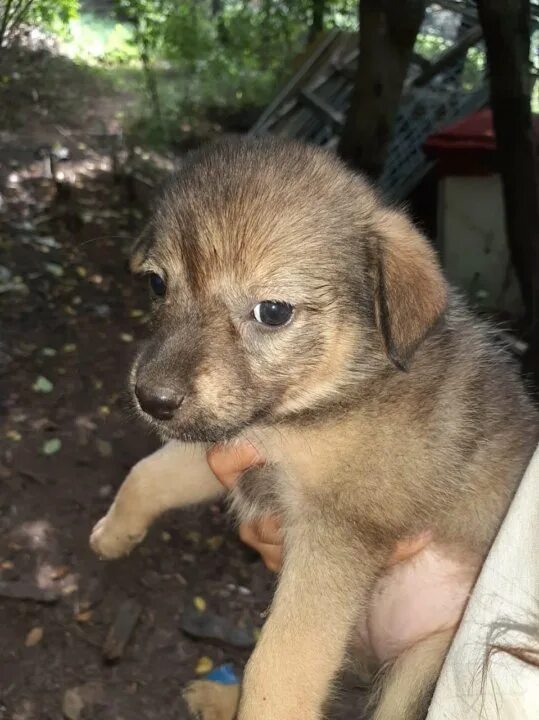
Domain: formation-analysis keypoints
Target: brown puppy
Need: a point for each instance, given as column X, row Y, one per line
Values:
column 294, row 309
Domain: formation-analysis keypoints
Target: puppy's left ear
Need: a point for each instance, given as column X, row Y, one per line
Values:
column 410, row 291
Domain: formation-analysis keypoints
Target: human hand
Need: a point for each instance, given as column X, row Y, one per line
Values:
column 265, row 535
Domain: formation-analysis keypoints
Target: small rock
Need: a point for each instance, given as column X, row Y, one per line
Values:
column 121, row 630
column 102, row 311
column 214, row 628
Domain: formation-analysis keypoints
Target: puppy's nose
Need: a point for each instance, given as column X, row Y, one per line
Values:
column 159, row 402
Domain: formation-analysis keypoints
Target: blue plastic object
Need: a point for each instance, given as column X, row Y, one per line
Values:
column 224, row 674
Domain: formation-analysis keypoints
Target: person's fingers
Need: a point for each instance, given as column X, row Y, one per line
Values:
column 271, row 552
column 227, row 462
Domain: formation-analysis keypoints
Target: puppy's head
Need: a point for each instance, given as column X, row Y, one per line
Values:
column 279, row 284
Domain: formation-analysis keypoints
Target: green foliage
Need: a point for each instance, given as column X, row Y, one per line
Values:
column 100, row 41
column 52, row 15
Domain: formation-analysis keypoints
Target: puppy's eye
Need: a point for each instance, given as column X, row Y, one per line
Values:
column 272, row 312
column 157, row 285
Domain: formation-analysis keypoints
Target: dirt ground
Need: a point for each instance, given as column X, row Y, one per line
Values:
column 70, row 316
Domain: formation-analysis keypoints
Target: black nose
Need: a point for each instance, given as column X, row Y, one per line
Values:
column 159, row 402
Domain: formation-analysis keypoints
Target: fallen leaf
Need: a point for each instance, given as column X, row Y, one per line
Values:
column 204, row 665
column 199, row 603
column 104, row 448
column 52, row 446
column 69, row 347
column 54, row 269
column 72, row 704
column 47, row 242
column 104, row 410
column 14, row 435
column 43, row 385
column 81, row 271
column 34, row 637
column 83, row 616
column 126, row 337
column 214, row 542
column 135, row 313
column 48, row 352
column 166, row 537
column 59, row 572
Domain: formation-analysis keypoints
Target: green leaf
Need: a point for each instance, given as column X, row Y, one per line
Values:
column 52, row 446
column 54, row 269
column 43, row 385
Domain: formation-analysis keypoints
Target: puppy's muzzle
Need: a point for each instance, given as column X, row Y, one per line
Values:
column 159, row 402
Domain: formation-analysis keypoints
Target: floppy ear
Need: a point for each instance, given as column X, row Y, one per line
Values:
column 410, row 291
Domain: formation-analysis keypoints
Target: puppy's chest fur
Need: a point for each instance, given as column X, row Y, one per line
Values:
column 258, row 493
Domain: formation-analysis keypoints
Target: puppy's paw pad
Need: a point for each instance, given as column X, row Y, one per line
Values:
column 110, row 544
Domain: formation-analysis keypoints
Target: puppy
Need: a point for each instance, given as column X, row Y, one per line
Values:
column 292, row 308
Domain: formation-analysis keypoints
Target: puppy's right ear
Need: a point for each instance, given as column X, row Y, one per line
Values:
column 139, row 249
column 410, row 290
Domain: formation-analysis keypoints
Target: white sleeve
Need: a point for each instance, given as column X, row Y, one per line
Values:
column 506, row 595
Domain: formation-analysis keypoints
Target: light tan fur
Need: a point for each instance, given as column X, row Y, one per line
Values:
column 384, row 409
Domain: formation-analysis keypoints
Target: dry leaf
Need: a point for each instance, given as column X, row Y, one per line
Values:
column 34, row 637
column 204, row 665
column 214, row 542
column 199, row 603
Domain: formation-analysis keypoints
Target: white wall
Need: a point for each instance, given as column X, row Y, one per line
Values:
column 472, row 241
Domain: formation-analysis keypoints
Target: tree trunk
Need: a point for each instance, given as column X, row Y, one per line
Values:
column 387, row 33
column 318, row 11
column 151, row 83
column 506, row 28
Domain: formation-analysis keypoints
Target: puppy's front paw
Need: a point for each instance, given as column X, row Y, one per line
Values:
column 109, row 540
